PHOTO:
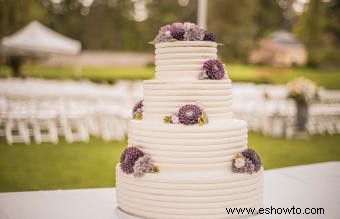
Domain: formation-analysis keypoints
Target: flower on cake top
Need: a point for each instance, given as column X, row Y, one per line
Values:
column 177, row 31
column 248, row 161
column 133, row 160
column 183, row 32
column 212, row 69
column 209, row 36
column 137, row 111
column 189, row 114
column 193, row 32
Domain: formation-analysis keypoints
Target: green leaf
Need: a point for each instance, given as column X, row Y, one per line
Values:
column 167, row 119
column 203, row 119
column 138, row 116
column 155, row 169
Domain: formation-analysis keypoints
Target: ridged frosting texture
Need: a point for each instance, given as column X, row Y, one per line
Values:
column 182, row 148
column 195, row 178
column 166, row 97
column 188, row 195
column 182, row 60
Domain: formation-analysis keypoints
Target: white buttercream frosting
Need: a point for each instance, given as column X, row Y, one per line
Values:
column 166, row 97
column 182, row 60
column 180, row 148
column 188, row 194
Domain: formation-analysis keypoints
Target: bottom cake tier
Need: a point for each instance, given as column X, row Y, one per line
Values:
column 170, row 195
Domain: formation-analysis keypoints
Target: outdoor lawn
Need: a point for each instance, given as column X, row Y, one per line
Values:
column 241, row 73
column 85, row 165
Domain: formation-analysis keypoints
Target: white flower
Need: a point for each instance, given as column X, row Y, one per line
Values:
column 203, row 75
column 142, row 165
column 174, row 119
column 303, row 88
column 168, row 33
column 239, row 162
column 188, row 25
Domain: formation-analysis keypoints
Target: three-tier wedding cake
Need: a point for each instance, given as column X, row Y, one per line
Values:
column 186, row 155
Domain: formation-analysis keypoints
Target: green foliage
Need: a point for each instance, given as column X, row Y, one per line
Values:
column 269, row 17
column 167, row 119
column 318, row 28
column 310, row 26
column 110, row 25
column 138, row 116
column 238, row 73
column 91, row 165
column 14, row 14
column 233, row 24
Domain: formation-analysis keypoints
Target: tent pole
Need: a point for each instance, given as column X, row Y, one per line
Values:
column 202, row 12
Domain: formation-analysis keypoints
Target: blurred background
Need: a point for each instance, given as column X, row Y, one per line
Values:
column 71, row 71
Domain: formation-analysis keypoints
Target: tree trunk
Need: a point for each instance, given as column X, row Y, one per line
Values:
column 15, row 64
column 301, row 116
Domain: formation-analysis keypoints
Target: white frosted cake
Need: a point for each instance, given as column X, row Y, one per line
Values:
column 186, row 156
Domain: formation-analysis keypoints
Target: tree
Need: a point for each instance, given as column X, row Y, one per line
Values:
column 233, row 22
column 310, row 26
column 318, row 28
column 269, row 17
column 18, row 13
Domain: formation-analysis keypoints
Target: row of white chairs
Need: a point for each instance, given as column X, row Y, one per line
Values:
column 42, row 110
column 277, row 117
column 269, row 91
column 75, row 121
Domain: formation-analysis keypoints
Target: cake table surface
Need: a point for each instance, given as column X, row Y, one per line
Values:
column 308, row 186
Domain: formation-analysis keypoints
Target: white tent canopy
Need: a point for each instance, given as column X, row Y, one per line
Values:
column 36, row 38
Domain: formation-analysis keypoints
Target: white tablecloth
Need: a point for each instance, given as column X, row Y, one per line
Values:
column 312, row 186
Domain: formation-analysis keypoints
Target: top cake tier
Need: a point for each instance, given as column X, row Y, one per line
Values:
column 184, row 51
column 183, row 60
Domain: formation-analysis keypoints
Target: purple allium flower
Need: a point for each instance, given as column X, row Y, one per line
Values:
column 165, row 28
column 164, row 34
column 192, row 32
column 209, row 36
column 214, row 69
column 183, row 31
column 170, row 32
column 189, row 114
column 129, row 157
column 253, row 157
column 247, row 161
column 138, row 108
column 142, row 165
column 177, row 33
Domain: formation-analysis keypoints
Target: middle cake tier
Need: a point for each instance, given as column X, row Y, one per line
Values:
column 176, row 147
column 166, row 97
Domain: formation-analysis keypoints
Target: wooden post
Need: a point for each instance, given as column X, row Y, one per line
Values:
column 202, row 12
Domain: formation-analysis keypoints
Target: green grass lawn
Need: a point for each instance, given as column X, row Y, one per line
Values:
column 241, row 73
column 88, row 165
column 62, row 166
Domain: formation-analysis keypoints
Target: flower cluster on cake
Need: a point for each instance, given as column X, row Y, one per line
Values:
column 183, row 32
column 189, row 114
